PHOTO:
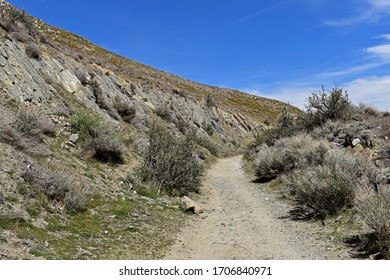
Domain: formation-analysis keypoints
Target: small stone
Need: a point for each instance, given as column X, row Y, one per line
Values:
column 73, row 138
column 355, row 142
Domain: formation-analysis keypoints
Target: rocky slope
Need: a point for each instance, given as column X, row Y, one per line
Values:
column 48, row 74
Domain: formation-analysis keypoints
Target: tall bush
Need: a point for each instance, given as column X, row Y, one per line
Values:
column 171, row 164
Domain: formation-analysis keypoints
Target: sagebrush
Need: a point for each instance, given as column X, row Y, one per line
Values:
column 171, row 164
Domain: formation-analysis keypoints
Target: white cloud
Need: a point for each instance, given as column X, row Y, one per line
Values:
column 370, row 90
column 373, row 57
column 380, row 51
column 368, row 11
column 351, row 70
column 295, row 96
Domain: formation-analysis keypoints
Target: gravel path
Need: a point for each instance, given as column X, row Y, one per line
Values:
column 241, row 221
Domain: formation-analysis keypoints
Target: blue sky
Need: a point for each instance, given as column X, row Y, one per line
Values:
column 279, row 49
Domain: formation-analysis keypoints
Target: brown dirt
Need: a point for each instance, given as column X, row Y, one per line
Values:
column 242, row 221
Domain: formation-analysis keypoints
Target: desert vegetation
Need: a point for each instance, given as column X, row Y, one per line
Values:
column 97, row 138
column 330, row 158
column 170, row 164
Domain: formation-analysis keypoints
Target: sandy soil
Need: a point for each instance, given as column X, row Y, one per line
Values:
column 242, row 221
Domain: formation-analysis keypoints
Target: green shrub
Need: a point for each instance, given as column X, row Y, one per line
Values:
column 323, row 106
column 97, row 137
column 85, row 124
column 171, row 164
column 375, row 211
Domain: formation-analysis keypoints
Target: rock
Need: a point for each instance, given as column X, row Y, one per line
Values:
column 358, row 147
column 355, row 142
column 163, row 201
column 190, row 205
column 73, row 138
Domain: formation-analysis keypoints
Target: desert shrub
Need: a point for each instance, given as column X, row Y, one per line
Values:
column 323, row 106
column 210, row 102
column 83, row 78
column 368, row 110
column 19, row 36
column 11, row 27
column 105, row 146
column 375, row 211
column 171, row 164
column 288, row 154
column 319, row 190
column 124, row 109
column 182, row 126
column 10, row 136
column 32, row 122
column 75, row 199
column 285, row 126
column 11, row 216
column 100, row 98
column 269, row 162
column 85, row 124
column 33, row 51
column 27, row 121
column 208, row 128
column 164, row 113
column 56, row 186
column 203, row 142
column 97, row 137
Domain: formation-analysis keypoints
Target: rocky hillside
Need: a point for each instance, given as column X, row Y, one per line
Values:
column 62, row 197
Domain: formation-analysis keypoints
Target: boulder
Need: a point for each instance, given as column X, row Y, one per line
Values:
column 189, row 205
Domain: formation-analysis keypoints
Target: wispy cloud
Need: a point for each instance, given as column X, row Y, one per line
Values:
column 374, row 90
column 262, row 11
column 367, row 11
column 373, row 57
column 381, row 51
column 351, row 70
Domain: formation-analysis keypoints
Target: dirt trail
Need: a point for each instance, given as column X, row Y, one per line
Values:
column 241, row 221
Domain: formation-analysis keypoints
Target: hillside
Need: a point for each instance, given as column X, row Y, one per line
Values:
column 62, row 199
